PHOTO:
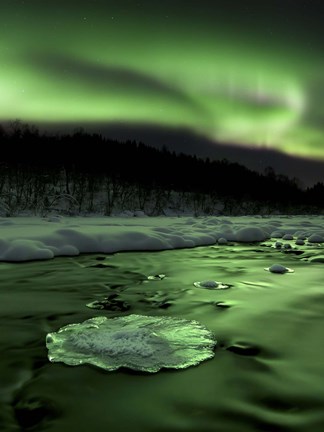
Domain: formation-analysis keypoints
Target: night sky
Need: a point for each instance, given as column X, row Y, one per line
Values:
column 243, row 72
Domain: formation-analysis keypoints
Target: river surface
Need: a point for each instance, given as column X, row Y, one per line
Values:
column 268, row 369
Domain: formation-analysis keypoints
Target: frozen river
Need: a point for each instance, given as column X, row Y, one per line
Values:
column 268, row 368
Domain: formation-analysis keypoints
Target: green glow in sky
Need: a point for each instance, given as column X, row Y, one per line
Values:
column 240, row 73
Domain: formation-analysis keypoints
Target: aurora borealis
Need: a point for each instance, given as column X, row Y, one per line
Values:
column 245, row 72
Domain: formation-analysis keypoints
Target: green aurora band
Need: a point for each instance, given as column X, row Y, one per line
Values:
column 164, row 64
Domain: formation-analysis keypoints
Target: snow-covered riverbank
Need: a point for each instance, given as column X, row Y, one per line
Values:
column 32, row 238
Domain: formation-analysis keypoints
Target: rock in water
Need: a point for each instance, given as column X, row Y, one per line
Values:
column 138, row 342
column 278, row 268
column 112, row 303
column 211, row 284
column 156, row 277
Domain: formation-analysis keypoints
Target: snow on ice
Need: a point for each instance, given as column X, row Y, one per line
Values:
column 138, row 342
column 24, row 239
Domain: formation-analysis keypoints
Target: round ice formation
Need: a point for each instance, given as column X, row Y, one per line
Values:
column 278, row 244
column 278, row 268
column 287, row 237
column 211, row 284
column 143, row 343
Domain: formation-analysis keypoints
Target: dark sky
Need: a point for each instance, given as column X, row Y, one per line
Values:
column 204, row 72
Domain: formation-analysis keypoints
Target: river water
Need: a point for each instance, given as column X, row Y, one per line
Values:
column 268, row 369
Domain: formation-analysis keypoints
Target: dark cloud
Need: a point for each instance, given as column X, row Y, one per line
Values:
column 109, row 79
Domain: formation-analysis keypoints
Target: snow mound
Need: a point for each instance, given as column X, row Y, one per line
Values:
column 32, row 238
column 142, row 343
column 288, row 237
column 287, row 246
column 250, row 234
column 316, row 238
column 276, row 234
column 26, row 250
column 300, row 242
column 222, row 241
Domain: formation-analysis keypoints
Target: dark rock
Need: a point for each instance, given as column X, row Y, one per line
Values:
column 223, row 305
column 244, row 349
column 111, row 303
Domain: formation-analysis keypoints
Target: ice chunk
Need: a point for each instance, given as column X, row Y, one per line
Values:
column 138, row 342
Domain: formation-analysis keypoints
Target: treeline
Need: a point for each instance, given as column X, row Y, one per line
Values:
column 82, row 172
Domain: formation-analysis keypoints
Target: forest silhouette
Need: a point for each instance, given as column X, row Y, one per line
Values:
column 36, row 168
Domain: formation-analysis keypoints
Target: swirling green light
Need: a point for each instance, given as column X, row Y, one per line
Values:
column 100, row 63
